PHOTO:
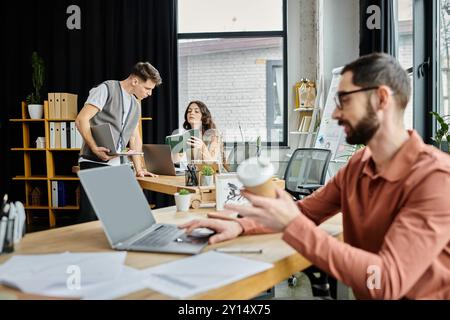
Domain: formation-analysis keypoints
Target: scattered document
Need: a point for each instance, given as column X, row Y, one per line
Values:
column 187, row 277
column 130, row 280
column 64, row 274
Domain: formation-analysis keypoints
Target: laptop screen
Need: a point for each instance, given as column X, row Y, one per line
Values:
column 103, row 136
column 117, row 200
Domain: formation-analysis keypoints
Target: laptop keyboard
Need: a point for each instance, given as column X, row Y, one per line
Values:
column 158, row 237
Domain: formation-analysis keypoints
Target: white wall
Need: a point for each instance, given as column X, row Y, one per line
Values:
column 302, row 53
column 340, row 21
column 322, row 35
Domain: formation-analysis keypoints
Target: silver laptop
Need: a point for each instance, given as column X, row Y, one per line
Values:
column 126, row 216
column 103, row 136
column 158, row 160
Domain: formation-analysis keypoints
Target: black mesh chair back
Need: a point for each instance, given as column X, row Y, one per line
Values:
column 306, row 171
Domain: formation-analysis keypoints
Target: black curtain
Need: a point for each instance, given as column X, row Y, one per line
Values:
column 114, row 35
column 383, row 39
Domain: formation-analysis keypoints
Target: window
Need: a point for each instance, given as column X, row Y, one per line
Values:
column 274, row 103
column 208, row 16
column 231, row 55
column 444, row 74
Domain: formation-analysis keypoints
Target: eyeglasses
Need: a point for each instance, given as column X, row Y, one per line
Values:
column 338, row 96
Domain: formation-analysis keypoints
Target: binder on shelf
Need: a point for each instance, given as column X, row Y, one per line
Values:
column 51, row 105
column 57, row 135
column 62, row 195
column 57, row 105
column 306, row 124
column 54, row 194
column 314, row 120
column 79, row 139
column 73, row 135
column 52, row 135
column 68, row 134
column 305, row 121
column 302, row 124
column 69, row 107
column 63, row 133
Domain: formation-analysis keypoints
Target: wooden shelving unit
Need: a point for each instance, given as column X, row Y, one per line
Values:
column 51, row 156
column 31, row 180
column 306, row 136
column 64, row 178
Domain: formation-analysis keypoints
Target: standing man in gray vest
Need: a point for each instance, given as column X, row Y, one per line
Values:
column 114, row 102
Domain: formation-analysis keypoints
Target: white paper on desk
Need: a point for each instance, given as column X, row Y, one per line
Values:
column 187, row 277
column 129, row 281
column 49, row 274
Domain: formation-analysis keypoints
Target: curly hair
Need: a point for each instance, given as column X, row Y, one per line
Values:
column 207, row 122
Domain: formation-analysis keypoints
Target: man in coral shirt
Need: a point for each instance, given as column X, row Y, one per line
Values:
column 394, row 196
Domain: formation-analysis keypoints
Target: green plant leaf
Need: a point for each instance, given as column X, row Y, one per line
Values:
column 183, row 192
column 438, row 117
column 207, row 171
column 443, row 130
column 37, row 78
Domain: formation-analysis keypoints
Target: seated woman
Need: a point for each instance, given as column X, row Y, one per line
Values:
column 209, row 146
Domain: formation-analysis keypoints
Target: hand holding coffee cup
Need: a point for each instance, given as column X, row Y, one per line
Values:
column 256, row 175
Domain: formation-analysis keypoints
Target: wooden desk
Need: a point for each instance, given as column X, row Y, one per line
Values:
column 173, row 184
column 89, row 237
column 164, row 184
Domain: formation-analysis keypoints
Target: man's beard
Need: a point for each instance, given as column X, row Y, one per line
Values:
column 364, row 130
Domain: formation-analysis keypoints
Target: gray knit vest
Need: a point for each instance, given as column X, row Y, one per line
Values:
column 112, row 114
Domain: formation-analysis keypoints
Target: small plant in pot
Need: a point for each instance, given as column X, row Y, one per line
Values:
column 183, row 200
column 442, row 137
column 34, row 101
column 207, row 176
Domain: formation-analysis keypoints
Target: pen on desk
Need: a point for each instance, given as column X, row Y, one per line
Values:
column 231, row 250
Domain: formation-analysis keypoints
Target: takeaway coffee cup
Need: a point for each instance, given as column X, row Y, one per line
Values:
column 256, row 175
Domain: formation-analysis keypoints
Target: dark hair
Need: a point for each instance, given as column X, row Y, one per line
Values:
column 145, row 71
column 378, row 69
column 207, row 122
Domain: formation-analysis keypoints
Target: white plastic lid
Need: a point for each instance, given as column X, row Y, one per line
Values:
column 255, row 171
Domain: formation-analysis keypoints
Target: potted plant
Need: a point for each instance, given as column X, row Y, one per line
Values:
column 442, row 137
column 35, row 107
column 183, row 200
column 207, row 176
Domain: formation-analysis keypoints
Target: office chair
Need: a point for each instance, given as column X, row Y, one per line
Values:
column 305, row 173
